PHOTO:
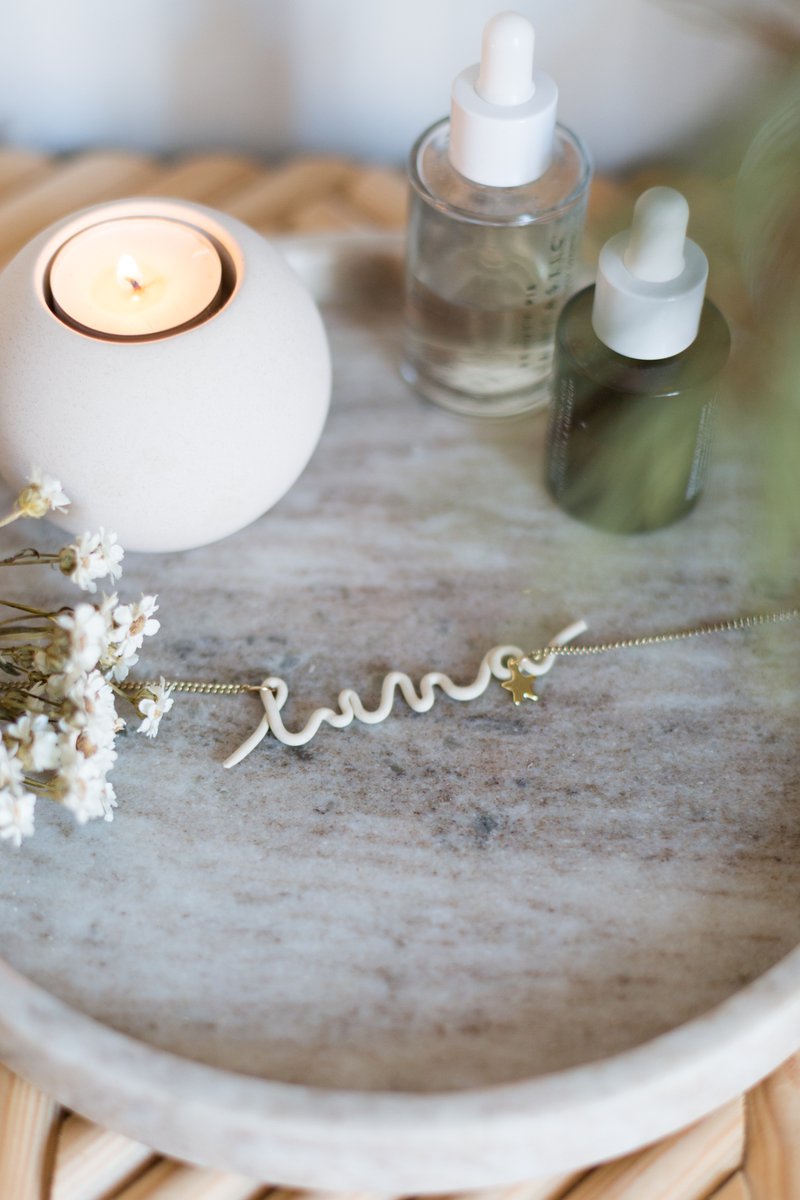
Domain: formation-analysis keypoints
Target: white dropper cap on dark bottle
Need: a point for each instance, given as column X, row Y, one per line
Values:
column 503, row 113
column 651, row 281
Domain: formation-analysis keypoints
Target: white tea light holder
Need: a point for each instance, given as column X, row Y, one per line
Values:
column 163, row 361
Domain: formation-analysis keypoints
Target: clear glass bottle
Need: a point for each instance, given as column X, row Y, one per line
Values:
column 489, row 264
column 638, row 357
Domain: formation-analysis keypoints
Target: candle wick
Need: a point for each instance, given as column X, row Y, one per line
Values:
column 129, row 272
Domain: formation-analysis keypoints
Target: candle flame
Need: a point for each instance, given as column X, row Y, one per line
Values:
column 128, row 273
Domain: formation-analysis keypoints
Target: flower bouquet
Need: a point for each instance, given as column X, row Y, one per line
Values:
column 60, row 678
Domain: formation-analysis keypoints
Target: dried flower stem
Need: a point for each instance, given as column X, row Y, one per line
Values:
column 39, row 560
column 35, row 612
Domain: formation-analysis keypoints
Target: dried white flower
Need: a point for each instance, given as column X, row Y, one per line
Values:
column 11, row 771
column 42, row 495
column 133, row 623
column 116, row 667
column 106, row 609
column 154, row 706
column 92, row 556
column 82, row 784
column 37, row 742
column 89, row 712
column 99, row 755
column 16, row 805
column 87, row 638
column 16, row 816
column 50, row 659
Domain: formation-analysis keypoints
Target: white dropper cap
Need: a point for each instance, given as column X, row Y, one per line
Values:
column 651, row 281
column 503, row 113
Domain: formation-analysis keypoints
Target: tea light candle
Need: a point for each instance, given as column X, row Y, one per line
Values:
column 163, row 361
column 136, row 277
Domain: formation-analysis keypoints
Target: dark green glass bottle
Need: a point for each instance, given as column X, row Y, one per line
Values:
column 629, row 437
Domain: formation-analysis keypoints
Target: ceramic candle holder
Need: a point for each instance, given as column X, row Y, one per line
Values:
column 172, row 438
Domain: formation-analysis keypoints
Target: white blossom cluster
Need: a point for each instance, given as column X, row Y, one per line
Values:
column 92, row 556
column 63, row 685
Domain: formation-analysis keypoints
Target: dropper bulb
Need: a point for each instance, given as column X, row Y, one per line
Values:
column 655, row 251
column 506, row 70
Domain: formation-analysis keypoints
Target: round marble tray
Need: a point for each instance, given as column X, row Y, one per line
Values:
column 457, row 949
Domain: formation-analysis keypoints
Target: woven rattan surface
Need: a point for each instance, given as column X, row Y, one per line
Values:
column 750, row 1148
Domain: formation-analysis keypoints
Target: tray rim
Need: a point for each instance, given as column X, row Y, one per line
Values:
column 311, row 1137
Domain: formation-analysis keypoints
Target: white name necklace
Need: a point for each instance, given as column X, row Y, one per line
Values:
column 515, row 668
column 509, row 664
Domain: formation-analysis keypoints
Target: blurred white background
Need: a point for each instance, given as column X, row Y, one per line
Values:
column 362, row 77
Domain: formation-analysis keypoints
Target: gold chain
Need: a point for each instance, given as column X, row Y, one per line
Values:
column 199, row 688
column 657, row 639
column 192, row 686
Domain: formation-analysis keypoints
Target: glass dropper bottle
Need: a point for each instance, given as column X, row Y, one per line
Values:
column 638, row 358
column 498, row 198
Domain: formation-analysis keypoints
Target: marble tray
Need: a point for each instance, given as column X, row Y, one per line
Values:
column 456, row 949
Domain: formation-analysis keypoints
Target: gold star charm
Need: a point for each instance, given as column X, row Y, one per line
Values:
column 519, row 685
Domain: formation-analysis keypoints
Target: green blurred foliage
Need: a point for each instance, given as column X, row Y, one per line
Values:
column 742, row 181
